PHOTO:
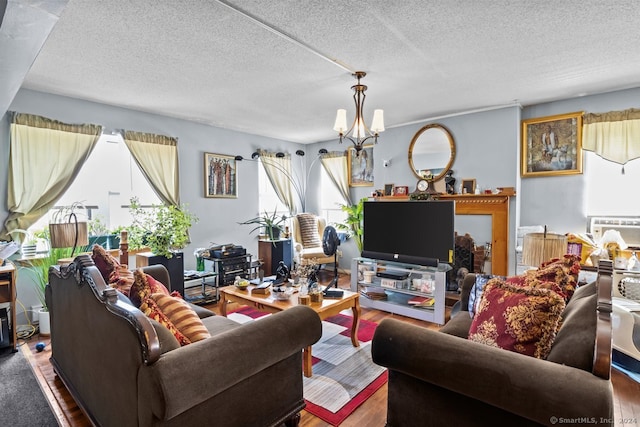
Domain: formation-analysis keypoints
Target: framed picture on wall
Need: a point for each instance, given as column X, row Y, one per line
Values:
column 360, row 167
column 220, row 176
column 552, row 145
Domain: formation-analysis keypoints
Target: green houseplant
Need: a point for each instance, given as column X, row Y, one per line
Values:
column 354, row 222
column 37, row 269
column 272, row 223
column 163, row 229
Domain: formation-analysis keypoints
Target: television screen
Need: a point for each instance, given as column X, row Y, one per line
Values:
column 415, row 232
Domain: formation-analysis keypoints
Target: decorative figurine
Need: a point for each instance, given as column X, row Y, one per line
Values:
column 282, row 272
column 450, row 182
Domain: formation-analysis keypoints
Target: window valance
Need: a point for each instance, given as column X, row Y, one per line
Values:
column 614, row 135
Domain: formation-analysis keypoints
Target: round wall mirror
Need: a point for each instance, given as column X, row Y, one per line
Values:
column 431, row 152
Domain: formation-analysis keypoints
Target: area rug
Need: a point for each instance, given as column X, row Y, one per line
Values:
column 21, row 400
column 344, row 376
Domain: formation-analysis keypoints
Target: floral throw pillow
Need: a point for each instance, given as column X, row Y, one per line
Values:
column 104, row 262
column 563, row 272
column 143, row 286
column 518, row 318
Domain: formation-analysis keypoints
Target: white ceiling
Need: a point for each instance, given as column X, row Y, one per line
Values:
column 270, row 72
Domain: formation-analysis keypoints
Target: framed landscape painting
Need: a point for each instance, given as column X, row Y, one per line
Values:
column 220, row 176
column 552, row 145
column 360, row 167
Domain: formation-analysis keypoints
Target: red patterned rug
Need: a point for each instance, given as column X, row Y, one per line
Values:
column 343, row 376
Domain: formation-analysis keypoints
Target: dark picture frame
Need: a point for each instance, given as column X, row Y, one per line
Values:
column 468, row 186
column 552, row 145
column 388, row 189
column 220, row 176
column 360, row 167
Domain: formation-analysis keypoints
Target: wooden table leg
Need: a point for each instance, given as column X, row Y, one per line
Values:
column 356, row 323
column 306, row 362
column 223, row 306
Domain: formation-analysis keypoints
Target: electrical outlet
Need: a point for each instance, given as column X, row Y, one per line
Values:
column 34, row 312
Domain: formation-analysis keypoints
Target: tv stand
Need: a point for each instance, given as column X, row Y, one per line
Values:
column 420, row 296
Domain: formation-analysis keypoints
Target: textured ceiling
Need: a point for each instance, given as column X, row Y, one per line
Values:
column 204, row 61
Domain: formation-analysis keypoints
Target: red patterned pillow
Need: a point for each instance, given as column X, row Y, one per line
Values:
column 104, row 261
column 563, row 272
column 143, row 286
column 184, row 318
column 518, row 318
column 122, row 279
column 151, row 309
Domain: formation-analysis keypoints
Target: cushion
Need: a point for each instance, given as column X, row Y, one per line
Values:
column 576, row 338
column 518, row 318
column 476, row 291
column 182, row 316
column 121, row 279
column 143, row 286
column 309, row 230
column 563, row 272
column 151, row 309
column 104, row 262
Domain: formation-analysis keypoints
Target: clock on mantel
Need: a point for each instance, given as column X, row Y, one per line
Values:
column 424, row 190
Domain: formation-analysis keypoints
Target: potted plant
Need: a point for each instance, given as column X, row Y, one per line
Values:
column 29, row 245
column 38, row 271
column 163, row 229
column 353, row 224
column 272, row 223
column 101, row 235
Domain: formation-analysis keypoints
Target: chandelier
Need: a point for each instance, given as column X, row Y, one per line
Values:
column 359, row 131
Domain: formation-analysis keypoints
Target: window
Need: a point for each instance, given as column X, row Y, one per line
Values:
column 331, row 200
column 267, row 198
column 608, row 190
column 105, row 185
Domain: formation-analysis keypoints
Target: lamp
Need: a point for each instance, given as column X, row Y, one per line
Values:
column 359, row 131
column 299, row 185
column 541, row 247
column 69, row 234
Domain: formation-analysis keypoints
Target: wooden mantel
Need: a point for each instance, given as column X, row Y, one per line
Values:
column 496, row 205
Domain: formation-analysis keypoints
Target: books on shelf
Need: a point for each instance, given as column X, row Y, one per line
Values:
column 418, row 301
column 373, row 292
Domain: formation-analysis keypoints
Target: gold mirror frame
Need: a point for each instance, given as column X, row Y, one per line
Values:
column 421, row 137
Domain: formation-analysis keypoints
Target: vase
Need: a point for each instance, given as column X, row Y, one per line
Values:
column 44, row 322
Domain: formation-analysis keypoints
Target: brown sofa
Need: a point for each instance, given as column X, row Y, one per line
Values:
column 124, row 369
column 441, row 378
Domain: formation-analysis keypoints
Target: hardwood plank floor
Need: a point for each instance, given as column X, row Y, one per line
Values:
column 371, row 413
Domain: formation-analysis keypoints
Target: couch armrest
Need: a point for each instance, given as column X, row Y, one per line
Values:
column 192, row 374
column 529, row 387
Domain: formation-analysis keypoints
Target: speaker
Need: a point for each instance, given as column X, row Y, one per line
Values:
column 175, row 266
column 5, row 340
column 407, row 259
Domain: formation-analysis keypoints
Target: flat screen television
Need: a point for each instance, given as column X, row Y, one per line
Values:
column 413, row 232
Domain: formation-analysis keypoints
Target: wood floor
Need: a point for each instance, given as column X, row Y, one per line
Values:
column 372, row 413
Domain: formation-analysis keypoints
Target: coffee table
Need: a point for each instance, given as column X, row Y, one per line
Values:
column 326, row 308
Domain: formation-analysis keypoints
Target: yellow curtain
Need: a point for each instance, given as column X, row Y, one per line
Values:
column 45, row 157
column 278, row 169
column 614, row 136
column 335, row 163
column 157, row 157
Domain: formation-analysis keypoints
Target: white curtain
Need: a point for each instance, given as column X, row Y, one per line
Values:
column 157, row 157
column 336, row 166
column 45, row 157
column 614, row 136
column 278, row 170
